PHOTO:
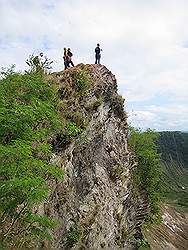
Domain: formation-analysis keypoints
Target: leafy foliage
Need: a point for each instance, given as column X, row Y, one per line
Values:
column 82, row 80
column 73, row 130
column 73, row 236
column 70, row 131
column 141, row 244
column 148, row 172
column 7, row 71
column 173, row 146
column 37, row 65
column 27, row 121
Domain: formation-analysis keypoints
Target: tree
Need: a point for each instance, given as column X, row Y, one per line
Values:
column 147, row 175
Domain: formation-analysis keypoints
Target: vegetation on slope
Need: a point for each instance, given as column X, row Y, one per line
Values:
column 147, row 176
column 31, row 123
column 28, row 121
column 173, row 147
column 172, row 233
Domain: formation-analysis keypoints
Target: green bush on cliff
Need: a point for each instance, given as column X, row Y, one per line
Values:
column 81, row 80
column 28, row 119
column 37, row 65
column 147, row 175
column 73, row 236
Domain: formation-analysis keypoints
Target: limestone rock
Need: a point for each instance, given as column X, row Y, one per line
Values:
column 96, row 205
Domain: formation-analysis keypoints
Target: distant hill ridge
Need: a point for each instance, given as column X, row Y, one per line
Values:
column 172, row 233
column 173, row 146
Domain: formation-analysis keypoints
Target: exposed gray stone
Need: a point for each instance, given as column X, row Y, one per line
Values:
column 97, row 196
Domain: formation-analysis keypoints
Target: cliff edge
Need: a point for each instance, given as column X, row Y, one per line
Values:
column 96, row 205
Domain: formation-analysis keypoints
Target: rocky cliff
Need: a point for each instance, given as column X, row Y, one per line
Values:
column 96, row 205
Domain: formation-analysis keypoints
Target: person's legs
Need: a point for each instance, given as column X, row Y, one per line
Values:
column 72, row 64
column 95, row 59
column 99, row 58
column 66, row 64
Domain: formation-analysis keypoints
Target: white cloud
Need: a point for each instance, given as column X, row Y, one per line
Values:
column 144, row 42
column 160, row 117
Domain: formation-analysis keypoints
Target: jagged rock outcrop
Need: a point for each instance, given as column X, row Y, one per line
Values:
column 96, row 205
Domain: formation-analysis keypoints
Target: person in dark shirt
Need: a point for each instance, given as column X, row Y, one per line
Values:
column 65, row 58
column 69, row 55
column 97, row 54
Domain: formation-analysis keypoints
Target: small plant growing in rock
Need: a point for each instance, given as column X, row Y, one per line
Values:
column 73, row 130
column 124, row 233
column 81, row 80
column 74, row 235
column 141, row 244
column 70, row 131
column 96, row 104
column 76, row 118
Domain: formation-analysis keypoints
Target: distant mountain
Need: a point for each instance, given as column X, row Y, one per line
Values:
column 172, row 232
column 173, row 147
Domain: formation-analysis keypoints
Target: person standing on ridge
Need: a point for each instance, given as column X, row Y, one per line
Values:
column 69, row 56
column 65, row 58
column 97, row 54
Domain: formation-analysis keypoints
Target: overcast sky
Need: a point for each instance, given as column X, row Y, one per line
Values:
column 144, row 42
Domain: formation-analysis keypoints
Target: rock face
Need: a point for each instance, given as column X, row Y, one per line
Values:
column 96, row 205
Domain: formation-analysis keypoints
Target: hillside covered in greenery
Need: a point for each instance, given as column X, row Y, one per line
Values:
column 172, row 232
column 28, row 120
column 173, row 147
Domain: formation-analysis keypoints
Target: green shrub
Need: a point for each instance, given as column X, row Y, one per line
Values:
column 36, row 65
column 77, row 118
column 70, row 131
column 73, row 236
column 148, row 172
column 28, row 119
column 73, row 130
column 81, row 80
column 141, row 244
